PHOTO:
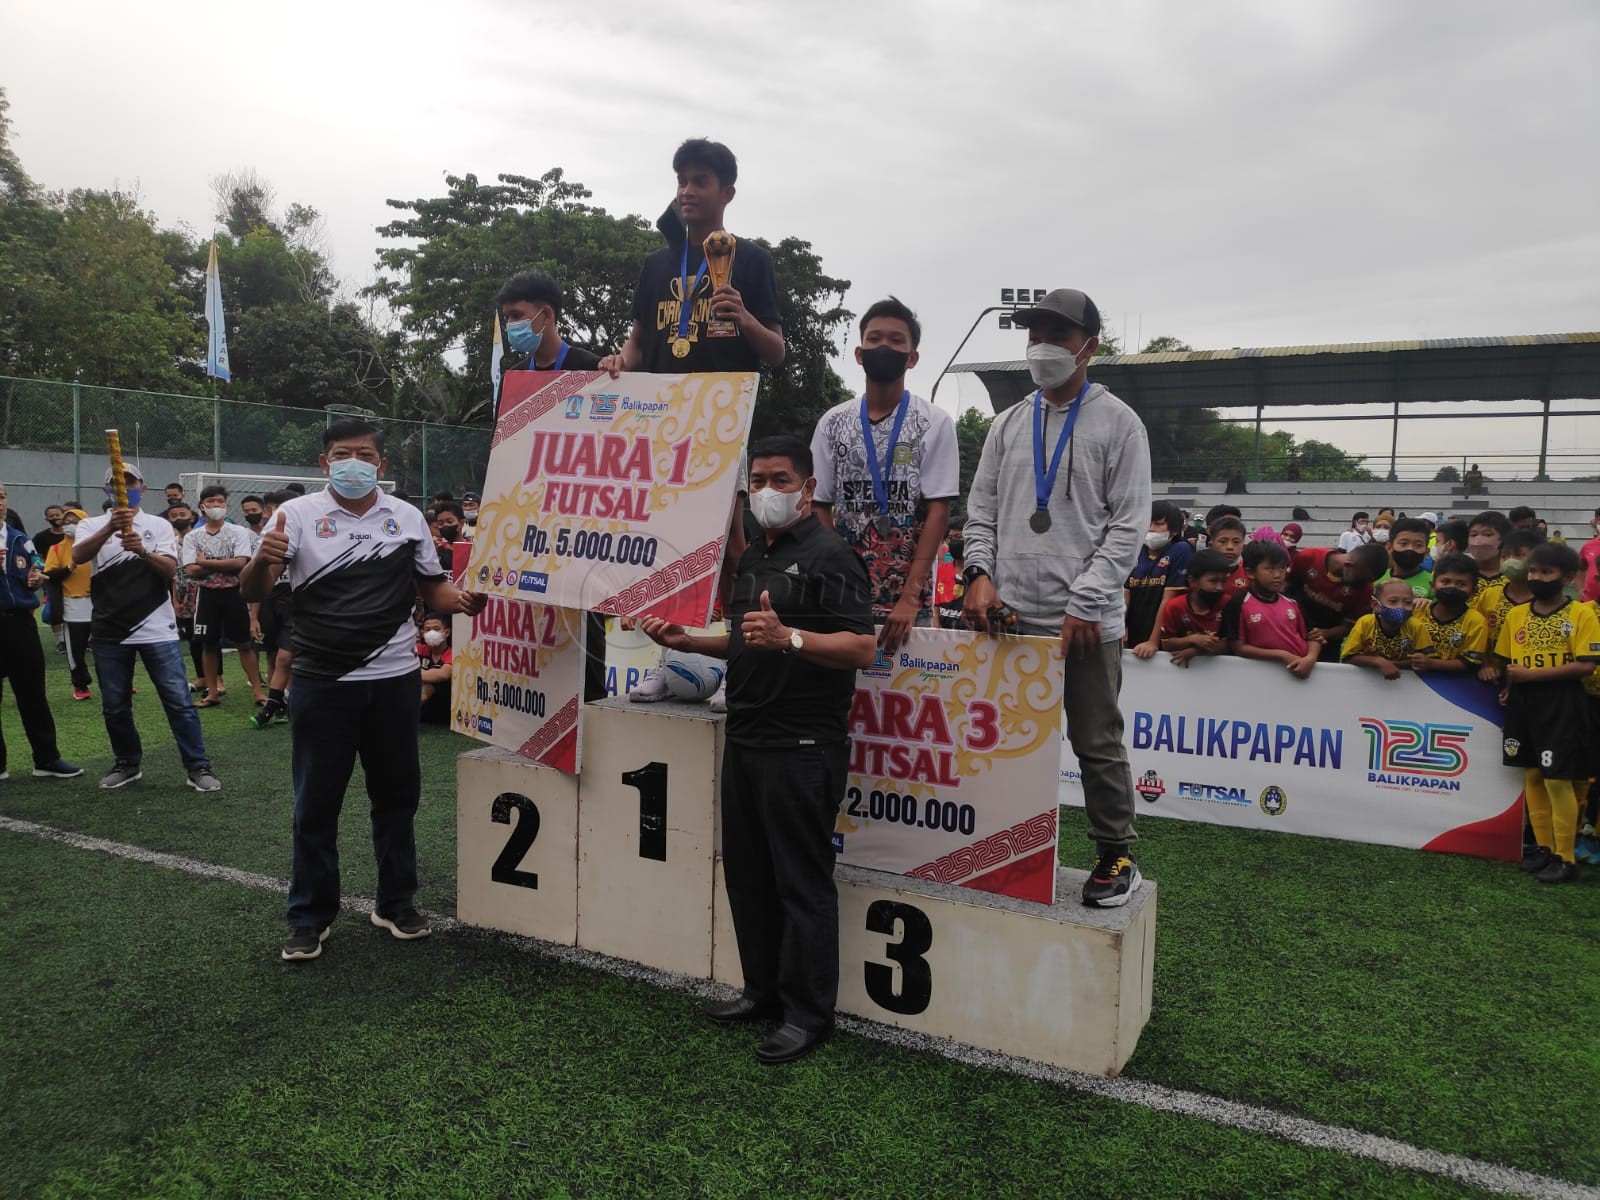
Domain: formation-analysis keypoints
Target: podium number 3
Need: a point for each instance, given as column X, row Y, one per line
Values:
column 505, row 868
column 916, row 976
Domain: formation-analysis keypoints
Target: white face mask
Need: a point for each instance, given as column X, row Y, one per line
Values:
column 216, row 514
column 773, row 509
column 1380, row 534
column 1157, row 539
column 1051, row 366
column 434, row 637
column 70, row 530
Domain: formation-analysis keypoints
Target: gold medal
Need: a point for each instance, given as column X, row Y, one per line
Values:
column 680, row 347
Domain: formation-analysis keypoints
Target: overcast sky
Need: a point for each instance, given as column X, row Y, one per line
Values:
column 1234, row 174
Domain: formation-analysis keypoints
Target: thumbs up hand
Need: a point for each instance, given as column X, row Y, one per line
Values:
column 274, row 546
column 761, row 628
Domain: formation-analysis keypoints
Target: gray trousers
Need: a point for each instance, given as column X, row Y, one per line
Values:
column 1094, row 727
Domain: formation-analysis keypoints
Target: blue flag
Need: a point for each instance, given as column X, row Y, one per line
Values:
column 217, row 349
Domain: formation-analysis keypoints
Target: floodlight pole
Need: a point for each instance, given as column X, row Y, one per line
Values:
column 960, row 345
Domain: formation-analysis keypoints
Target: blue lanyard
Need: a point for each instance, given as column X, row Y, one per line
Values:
column 880, row 491
column 1044, row 482
column 689, row 289
column 561, row 357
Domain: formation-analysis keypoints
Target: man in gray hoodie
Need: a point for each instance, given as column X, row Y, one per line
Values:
column 1056, row 546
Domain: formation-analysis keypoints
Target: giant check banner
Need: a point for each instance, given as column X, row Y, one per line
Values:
column 516, row 680
column 1346, row 754
column 612, row 495
column 954, row 761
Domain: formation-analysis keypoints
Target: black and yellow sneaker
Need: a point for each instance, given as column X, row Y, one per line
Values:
column 1114, row 879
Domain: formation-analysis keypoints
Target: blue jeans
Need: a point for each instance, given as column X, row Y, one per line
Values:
column 113, row 664
column 331, row 723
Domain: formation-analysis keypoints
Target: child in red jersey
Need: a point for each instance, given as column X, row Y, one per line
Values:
column 1262, row 622
column 1191, row 624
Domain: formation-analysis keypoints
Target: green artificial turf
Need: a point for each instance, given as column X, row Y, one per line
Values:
column 155, row 1045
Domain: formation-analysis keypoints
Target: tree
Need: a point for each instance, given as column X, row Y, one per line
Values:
column 972, row 428
column 466, row 244
column 1447, row 474
column 1165, row 345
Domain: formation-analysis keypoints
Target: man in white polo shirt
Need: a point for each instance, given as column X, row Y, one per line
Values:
column 356, row 558
column 135, row 558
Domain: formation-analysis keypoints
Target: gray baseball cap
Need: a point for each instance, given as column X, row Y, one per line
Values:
column 1063, row 304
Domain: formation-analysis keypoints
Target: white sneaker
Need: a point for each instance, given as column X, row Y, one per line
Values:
column 651, row 689
column 719, row 698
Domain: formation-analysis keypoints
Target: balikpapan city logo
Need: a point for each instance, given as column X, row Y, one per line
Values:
column 1415, row 755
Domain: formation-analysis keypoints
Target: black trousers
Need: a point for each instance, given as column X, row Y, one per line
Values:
column 22, row 662
column 78, row 653
column 778, row 813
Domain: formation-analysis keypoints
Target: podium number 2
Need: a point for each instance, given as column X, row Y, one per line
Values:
column 651, row 780
column 505, row 868
column 916, row 976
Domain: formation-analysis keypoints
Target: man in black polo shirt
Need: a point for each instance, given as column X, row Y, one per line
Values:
column 801, row 626
column 680, row 324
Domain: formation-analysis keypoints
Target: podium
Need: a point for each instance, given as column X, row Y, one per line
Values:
column 625, row 861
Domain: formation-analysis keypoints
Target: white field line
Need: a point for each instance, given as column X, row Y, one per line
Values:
column 1489, row 1177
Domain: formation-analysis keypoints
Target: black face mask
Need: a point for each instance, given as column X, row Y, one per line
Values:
column 1452, row 597
column 252, row 518
column 182, row 526
column 449, row 532
column 1406, row 561
column 1545, row 589
column 884, row 364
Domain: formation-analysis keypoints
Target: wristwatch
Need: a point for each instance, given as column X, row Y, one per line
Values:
column 796, row 642
column 972, row 574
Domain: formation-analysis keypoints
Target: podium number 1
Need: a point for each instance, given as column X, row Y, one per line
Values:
column 916, row 976
column 651, row 780
column 505, row 869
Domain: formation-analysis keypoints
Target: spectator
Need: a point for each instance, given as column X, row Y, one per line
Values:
column 174, row 495
column 1266, row 533
column 1383, row 526
column 1448, row 634
column 184, row 590
column 254, row 511
column 213, row 556
column 1522, row 517
column 297, row 489
column 1589, row 558
column 1261, row 622
column 1408, row 546
column 1358, row 533
column 1160, row 575
column 77, row 609
column 470, row 502
column 443, row 497
column 1290, row 535
column 433, row 649
column 1472, row 481
column 1227, row 539
column 1382, row 639
column 1191, row 624
column 135, row 559
column 1334, row 588
column 1548, row 647
column 1485, row 536
column 21, row 659
column 1450, row 537
column 275, row 621
column 949, row 603
column 448, row 522
column 43, row 542
column 1218, row 511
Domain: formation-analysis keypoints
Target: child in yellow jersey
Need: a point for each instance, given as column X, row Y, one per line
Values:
column 1498, row 599
column 1588, row 848
column 1380, row 638
column 1549, row 646
column 1448, row 634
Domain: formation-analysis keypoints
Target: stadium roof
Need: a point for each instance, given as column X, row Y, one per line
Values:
column 1539, row 367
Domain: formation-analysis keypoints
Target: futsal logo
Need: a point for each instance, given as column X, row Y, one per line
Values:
column 1415, row 755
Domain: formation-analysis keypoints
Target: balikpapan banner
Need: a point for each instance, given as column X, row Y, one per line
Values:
column 516, row 679
column 954, row 759
column 612, row 495
column 1345, row 754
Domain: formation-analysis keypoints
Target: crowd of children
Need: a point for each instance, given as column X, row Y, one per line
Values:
column 1489, row 597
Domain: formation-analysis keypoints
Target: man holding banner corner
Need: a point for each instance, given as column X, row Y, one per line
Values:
column 800, row 626
column 1056, row 546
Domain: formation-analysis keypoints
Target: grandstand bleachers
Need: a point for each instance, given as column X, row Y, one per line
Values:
column 1566, row 506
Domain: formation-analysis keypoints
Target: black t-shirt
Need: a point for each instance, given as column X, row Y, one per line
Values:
column 817, row 585
column 44, row 539
column 576, row 359
column 713, row 345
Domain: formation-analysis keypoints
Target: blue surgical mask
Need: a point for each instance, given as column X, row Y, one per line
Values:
column 352, row 478
column 1392, row 616
column 522, row 337
column 135, row 494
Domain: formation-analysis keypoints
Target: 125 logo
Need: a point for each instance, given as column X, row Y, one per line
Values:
column 1416, row 747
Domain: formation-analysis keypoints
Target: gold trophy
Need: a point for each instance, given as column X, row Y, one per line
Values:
column 719, row 248
column 119, row 480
